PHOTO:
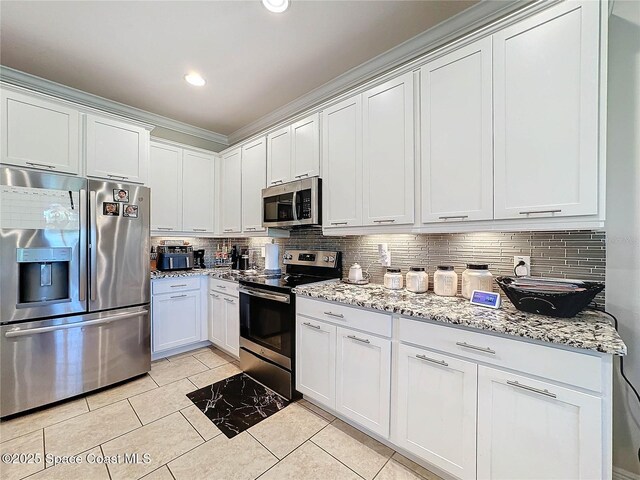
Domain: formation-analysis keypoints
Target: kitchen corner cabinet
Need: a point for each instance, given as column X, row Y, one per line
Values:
column 457, row 135
column 533, row 429
column 316, row 360
column 342, row 164
column 197, row 192
column 388, row 152
column 254, row 179
column 39, row 133
column 224, row 315
column 231, row 192
column 116, row 150
column 546, row 71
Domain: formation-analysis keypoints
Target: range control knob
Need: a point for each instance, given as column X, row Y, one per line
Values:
column 332, row 258
column 326, row 259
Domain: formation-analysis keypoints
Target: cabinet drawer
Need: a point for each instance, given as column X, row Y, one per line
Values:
column 573, row 368
column 223, row 286
column 360, row 319
column 176, row 284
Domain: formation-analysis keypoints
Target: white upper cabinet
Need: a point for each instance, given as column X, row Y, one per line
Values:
column 533, row 429
column 198, row 192
column 279, row 156
column 305, row 147
column 388, row 152
column 231, row 192
column 165, row 180
column 342, row 163
column 39, row 133
column 254, row 179
column 546, row 113
column 457, row 135
column 116, row 150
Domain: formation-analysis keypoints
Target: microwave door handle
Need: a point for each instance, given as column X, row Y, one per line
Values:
column 294, row 205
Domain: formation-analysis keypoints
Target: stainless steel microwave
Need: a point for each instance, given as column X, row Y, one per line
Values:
column 292, row 204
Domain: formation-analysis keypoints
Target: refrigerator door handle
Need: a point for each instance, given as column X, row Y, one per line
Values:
column 82, row 294
column 92, row 245
column 88, row 323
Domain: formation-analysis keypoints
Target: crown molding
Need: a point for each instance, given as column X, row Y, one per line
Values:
column 461, row 24
column 42, row 85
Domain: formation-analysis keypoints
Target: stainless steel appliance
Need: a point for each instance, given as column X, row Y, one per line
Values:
column 267, row 317
column 198, row 258
column 292, row 204
column 172, row 257
column 74, row 286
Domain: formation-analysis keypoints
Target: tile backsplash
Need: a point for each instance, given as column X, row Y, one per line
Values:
column 564, row 254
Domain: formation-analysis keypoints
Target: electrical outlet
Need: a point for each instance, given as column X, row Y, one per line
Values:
column 523, row 270
column 262, row 252
column 384, row 254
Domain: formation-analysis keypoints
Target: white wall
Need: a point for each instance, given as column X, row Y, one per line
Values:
column 623, row 221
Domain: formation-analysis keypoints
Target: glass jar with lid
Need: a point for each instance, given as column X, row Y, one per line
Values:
column 393, row 279
column 476, row 277
column 417, row 280
column 445, row 281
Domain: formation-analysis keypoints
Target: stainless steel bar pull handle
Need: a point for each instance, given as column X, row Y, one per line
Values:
column 181, row 285
column 199, row 229
column 432, row 360
column 449, row 217
column 221, row 286
column 475, row 347
column 337, row 315
column 527, row 212
column 66, row 326
column 229, row 300
column 317, row 327
column 302, row 175
column 384, row 221
column 358, row 339
column 93, row 256
column 214, row 295
column 118, row 176
column 178, row 296
column 228, row 229
column 164, row 228
column 339, row 223
column 82, row 291
column 545, row 392
column 274, row 182
column 33, row 164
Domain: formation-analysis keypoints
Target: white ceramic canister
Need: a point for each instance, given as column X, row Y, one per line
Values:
column 393, row 279
column 355, row 273
column 445, row 281
column 417, row 280
column 476, row 277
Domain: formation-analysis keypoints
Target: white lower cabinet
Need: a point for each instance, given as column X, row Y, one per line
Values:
column 363, row 379
column 435, row 416
column 316, row 360
column 224, row 316
column 216, row 316
column 232, row 325
column 532, row 429
column 176, row 320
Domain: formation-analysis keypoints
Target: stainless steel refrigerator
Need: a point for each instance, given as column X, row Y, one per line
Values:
column 74, row 286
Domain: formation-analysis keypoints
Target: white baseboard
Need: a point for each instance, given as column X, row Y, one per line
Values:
column 620, row 474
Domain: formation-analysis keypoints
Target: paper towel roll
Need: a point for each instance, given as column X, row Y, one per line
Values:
column 272, row 256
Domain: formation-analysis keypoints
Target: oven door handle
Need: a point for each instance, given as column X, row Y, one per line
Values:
column 278, row 297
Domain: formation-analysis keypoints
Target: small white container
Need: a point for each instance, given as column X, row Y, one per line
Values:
column 445, row 281
column 417, row 280
column 393, row 279
column 476, row 277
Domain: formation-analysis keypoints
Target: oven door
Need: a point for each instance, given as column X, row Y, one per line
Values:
column 291, row 204
column 267, row 322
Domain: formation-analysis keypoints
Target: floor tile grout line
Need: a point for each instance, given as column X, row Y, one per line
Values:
column 316, row 413
column 385, row 464
column 136, row 413
column 84, row 452
column 267, row 448
column 192, row 425
column 106, row 464
column 332, row 456
column 279, row 461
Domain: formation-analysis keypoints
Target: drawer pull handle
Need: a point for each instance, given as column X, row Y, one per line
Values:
column 181, row 285
column 214, row 295
column 474, row 347
column 432, row 360
column 302, row 175
column 528, row 212
column 384, row 221
column 337, row 315
column 531, row 389
column 228, row 229
column 358, row 339
column 33, row 164
column 229, row 300
column 117, row 176
column 317, row 327
column 461, row 217
column 339, row 223
column 221, row 286
column 199, row 229
column 178, row 296
column 275, row 182
column 250, row 228
column 164, row 228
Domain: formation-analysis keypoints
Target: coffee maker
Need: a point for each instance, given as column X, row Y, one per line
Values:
column 198, row 259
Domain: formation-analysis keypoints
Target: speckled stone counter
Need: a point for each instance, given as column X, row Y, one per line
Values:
column 221, row 273
column 589, row 330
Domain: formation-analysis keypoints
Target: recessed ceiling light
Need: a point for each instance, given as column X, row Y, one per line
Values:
column 195, row 79
column 276, row 6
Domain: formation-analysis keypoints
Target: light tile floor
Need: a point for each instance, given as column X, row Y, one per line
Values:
column 152, row 416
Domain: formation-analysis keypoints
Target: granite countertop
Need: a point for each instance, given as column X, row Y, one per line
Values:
column 588, row 330
column 221, row 273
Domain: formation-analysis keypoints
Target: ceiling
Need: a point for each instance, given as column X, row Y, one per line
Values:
column 137, row 52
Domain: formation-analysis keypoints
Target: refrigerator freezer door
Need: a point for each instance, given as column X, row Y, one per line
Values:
column 49, row 360
column 118, row 245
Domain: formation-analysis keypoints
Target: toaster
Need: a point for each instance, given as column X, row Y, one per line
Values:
column 174, row 258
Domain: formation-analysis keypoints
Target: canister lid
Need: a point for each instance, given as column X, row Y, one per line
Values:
column 417, row 269
column 393, row 270
column 477, row 266
column 445, row 267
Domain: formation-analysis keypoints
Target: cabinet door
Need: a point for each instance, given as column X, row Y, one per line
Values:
column 457, row 135
column 217, row 320
column 436, row 410
column 363, row 379
column 533, row 429
column 39, row 133
column 387, row 146
column 305, row 147
column 316, row 360
column 231, row 193
column 198, row 192
column 342, row 163
column 176, row 320
column 116, row 150
column 232, row 325
column 546, row 113
column 165, row 180
column 254, row 179
column 279, row 156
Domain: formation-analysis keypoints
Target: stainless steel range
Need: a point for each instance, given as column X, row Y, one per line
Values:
column 267, row 317
column 74, row 286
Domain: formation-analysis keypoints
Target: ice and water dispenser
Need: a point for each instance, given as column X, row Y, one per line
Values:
column 43, row 275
